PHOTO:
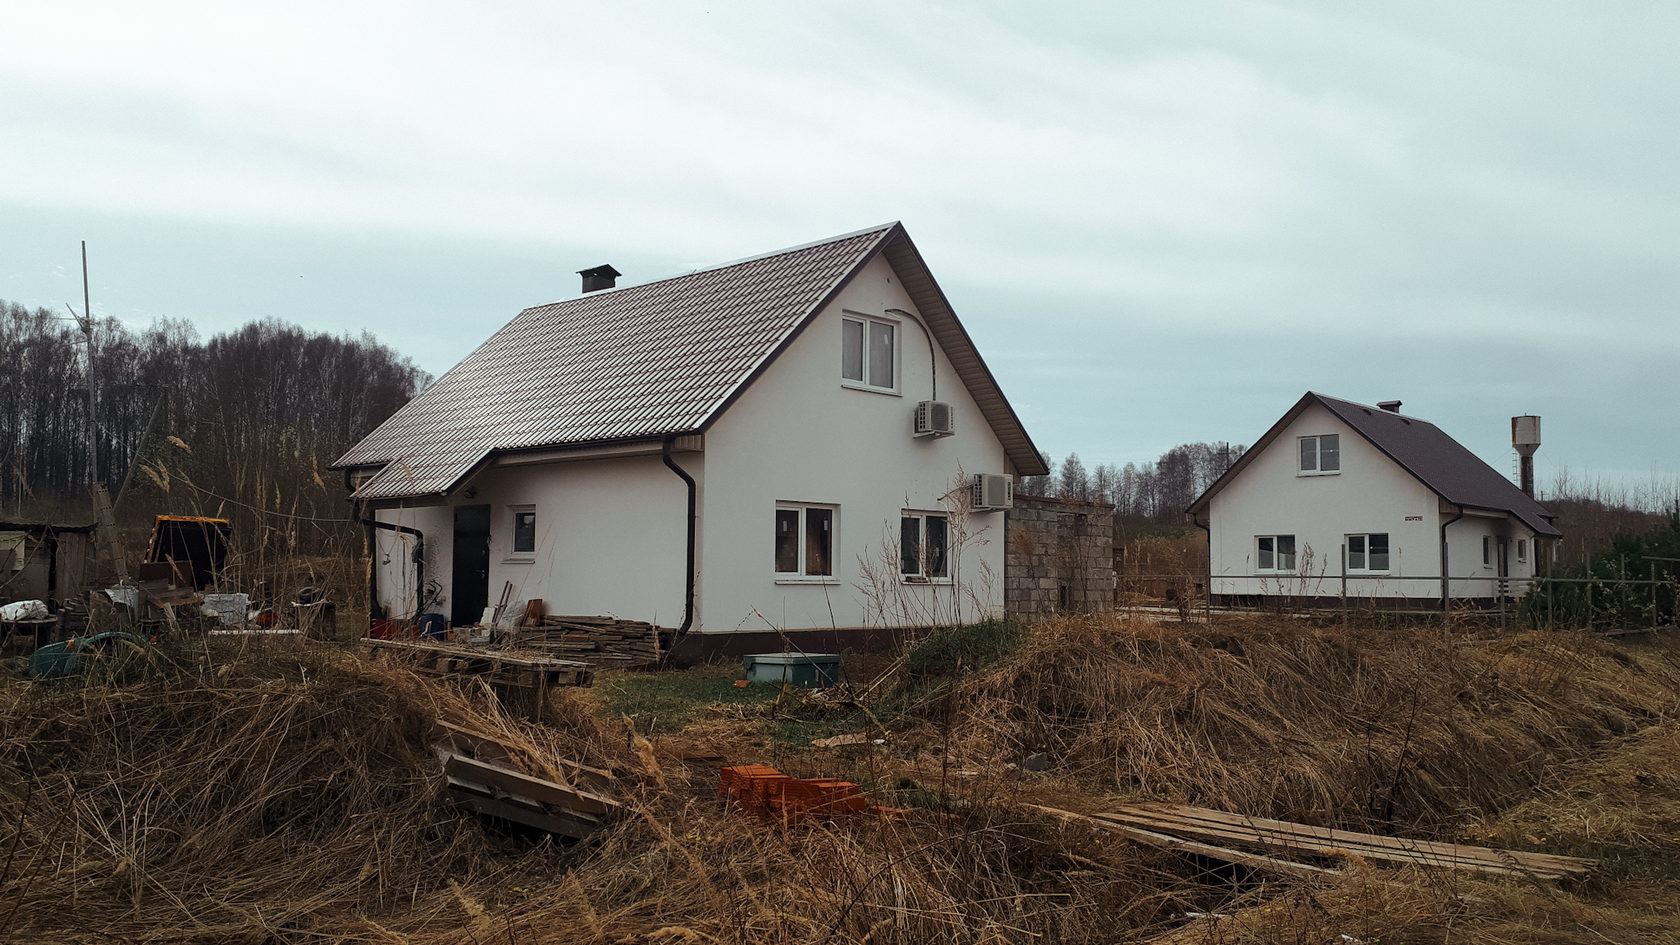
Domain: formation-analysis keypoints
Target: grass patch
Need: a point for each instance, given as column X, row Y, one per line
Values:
column 669, row 701
column 947, row 652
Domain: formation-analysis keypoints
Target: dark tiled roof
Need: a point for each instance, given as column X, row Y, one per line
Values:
column 642, row 362
column 1421, row 448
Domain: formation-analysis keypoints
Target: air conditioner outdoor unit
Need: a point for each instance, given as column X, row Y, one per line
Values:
column 933, row 418
column 992, row 492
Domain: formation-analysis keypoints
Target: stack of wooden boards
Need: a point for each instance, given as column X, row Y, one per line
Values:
column 1169, row 825
column 488, row 776
column 597, row 640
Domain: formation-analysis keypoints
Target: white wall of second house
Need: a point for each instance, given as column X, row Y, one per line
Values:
column 1472, row 576
column 1371, row 494
column 799, row 434
column 610, row 538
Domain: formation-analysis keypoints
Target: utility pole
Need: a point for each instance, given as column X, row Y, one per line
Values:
column 87, row 328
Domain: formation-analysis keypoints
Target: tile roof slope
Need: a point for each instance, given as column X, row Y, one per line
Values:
column 1440, row 462
column 639, row 361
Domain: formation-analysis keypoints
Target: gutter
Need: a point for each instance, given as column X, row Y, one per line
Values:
column 1445, row 576
column 688, row 576
column 1209, row 586
column 374, row 610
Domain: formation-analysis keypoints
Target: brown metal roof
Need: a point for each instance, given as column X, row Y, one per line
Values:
column 643, row 362
column 1421, row 448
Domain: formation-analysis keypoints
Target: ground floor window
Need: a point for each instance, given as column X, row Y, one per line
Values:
column 805, row 540
column 524, row 529
column 1367, row 552
column 1522, row 550
column 923, row 544
column 1276, row 552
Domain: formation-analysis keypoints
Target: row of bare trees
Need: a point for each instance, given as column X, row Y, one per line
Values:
column 243, row 424
column 1152, row 492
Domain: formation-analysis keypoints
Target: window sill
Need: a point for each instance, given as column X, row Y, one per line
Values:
column 521, row 559
column 854, row 385
column 1307, row 474
column 807, row 580
column 921, row 581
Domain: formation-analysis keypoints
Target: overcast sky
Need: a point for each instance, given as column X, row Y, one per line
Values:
column 1161, row 223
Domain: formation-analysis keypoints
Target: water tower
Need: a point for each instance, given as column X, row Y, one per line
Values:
column 1525, row 439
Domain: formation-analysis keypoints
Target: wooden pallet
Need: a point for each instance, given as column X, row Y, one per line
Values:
column 536, row 672
column 499, row 791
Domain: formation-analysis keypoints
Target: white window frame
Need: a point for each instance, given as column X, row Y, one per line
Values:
column 862, row 383
column 1261, row 549
column 803, row 575
column 1317, row 441
column 917, row 576
column 1363, row 540
column 514, row 555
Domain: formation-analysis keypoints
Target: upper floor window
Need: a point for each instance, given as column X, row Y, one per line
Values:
column 804, row 541
column 1367, row 552
column 1321, row 454
column 1275, row 552
column 868, row 352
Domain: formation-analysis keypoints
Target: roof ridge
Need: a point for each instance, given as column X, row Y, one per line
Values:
column 784, row 251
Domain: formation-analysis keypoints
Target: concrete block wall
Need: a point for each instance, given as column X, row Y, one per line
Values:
column 1060, row 558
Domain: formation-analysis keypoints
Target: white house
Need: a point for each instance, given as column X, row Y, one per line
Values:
column 1343, row 499
column 788, row 442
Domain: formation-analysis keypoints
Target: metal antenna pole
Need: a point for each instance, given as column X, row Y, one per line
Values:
column 87, row 327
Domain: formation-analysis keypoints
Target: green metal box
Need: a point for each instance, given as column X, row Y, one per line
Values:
column 805, row 670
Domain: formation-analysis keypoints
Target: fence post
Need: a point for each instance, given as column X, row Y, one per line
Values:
column 1589, row 589
column 1344, row 584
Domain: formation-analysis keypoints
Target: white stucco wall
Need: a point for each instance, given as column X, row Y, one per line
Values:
column 393, row 558
column 609, row 540
column 1371, row 494
column 799, row 435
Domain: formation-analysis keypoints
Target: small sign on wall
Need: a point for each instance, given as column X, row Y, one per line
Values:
column 1414, row 518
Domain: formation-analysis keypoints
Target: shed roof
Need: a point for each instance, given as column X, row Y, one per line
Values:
column 643, row 362
column 1421, row 448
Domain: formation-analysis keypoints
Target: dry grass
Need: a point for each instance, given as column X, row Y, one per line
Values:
column 1414, row 728
column 289, row 795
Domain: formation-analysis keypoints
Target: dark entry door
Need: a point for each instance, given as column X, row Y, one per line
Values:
column 469, row 582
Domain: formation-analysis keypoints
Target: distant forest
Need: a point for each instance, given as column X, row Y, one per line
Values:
column 1142, row 493
column 242, row 425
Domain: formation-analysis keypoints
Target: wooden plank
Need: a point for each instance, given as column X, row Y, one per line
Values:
column 1190, row 846
column 1325, row 833
column 1304, row 845
column 497, row 807
column 525, row 785
column 485, row 747
column 1285, row 830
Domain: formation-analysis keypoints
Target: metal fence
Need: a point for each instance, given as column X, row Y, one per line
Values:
column 1623, row 602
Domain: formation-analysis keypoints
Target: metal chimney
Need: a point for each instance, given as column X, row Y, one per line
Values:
column 1525, row 439
column 600, row 277
column 1392, row 406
